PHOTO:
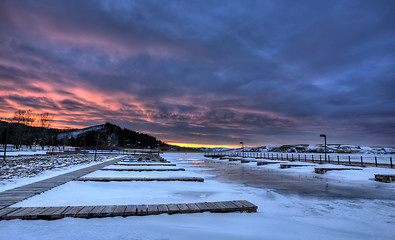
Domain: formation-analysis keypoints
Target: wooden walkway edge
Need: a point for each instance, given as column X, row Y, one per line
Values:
column 51, row 213
column 324, row 170
column 143, row 169
column 126, row 179
column 145, row 164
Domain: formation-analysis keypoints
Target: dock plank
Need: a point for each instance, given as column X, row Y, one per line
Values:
column 143, row 169
column 162, row 208
column 130, row 210
column 173, row 208
column 72, row 211
column 142, row 210
column 152, row 209
column 183, row 208
column 119, row 210
column 193, row 208
column 84, row 212
column 125, row 179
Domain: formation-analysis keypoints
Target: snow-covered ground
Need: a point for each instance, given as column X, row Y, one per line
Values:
column 279, row 216
column 22, row 170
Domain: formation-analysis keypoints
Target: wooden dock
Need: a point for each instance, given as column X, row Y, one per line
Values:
column 12, row 196
column 387, row 178
column 126, row 179
column 324, row 170
column 261, row 163
column 294, row 165
column 51, row 213
column 143, row 169
column 145, row 164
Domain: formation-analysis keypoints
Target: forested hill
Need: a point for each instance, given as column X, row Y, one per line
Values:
column 109, row 135
column 104, row 136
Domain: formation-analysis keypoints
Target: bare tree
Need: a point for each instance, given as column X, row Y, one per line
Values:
column 45, row 121
column 24, row 119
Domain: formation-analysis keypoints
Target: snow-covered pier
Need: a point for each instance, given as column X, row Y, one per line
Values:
column 324, row 170
column 51, row 213
column 145, row 179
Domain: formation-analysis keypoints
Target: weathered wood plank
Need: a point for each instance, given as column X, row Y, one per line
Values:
column 251, row 207
column 84, row 212
column 173, row 208
column 108, row 211
column 130, row 210
column 7, row 210
column 33, row 214
column 203, row 207
column 119, row 210
column 142, row 210
column 241, row 207
column 72, row 211
column 96, row 211
column 183, row 208
column 162, row 208
column 193, row 208
column 222, row 207
column 232, row 207
column 152, row 209
column 52, row 213
column 18, row 214
column 213, row 207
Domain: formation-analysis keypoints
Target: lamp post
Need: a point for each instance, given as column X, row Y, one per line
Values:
column 242, row 149
column 324, row 136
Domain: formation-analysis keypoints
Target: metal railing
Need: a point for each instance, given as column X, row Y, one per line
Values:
column 341, row 158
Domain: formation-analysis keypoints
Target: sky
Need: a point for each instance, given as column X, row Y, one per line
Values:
column 206, row 72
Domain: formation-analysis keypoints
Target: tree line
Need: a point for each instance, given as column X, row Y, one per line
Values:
column 27, row 128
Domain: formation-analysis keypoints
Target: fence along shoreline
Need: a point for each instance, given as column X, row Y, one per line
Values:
column 333, row 158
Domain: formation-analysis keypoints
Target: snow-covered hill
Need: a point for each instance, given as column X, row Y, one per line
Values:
column 306, row 148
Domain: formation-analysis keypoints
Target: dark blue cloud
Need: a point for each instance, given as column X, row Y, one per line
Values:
column 265, row 72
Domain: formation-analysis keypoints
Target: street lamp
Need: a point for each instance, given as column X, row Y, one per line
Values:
column 324, row 136
column 242, row 150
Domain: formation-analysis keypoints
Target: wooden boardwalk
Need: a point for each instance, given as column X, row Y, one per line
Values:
column 126, row 179
column 324, row 170
column 50, row 213
column 294, row 165
column 145, row 164
column 12, row 196
column 143, row 169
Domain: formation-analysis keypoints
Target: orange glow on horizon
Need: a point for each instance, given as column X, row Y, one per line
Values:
column 198, row 145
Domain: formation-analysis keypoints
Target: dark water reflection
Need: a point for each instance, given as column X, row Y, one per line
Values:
column 291, row 183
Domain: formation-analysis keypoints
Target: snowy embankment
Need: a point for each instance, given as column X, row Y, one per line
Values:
column 22, row 170
column 319, row 148
column 279, row 216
